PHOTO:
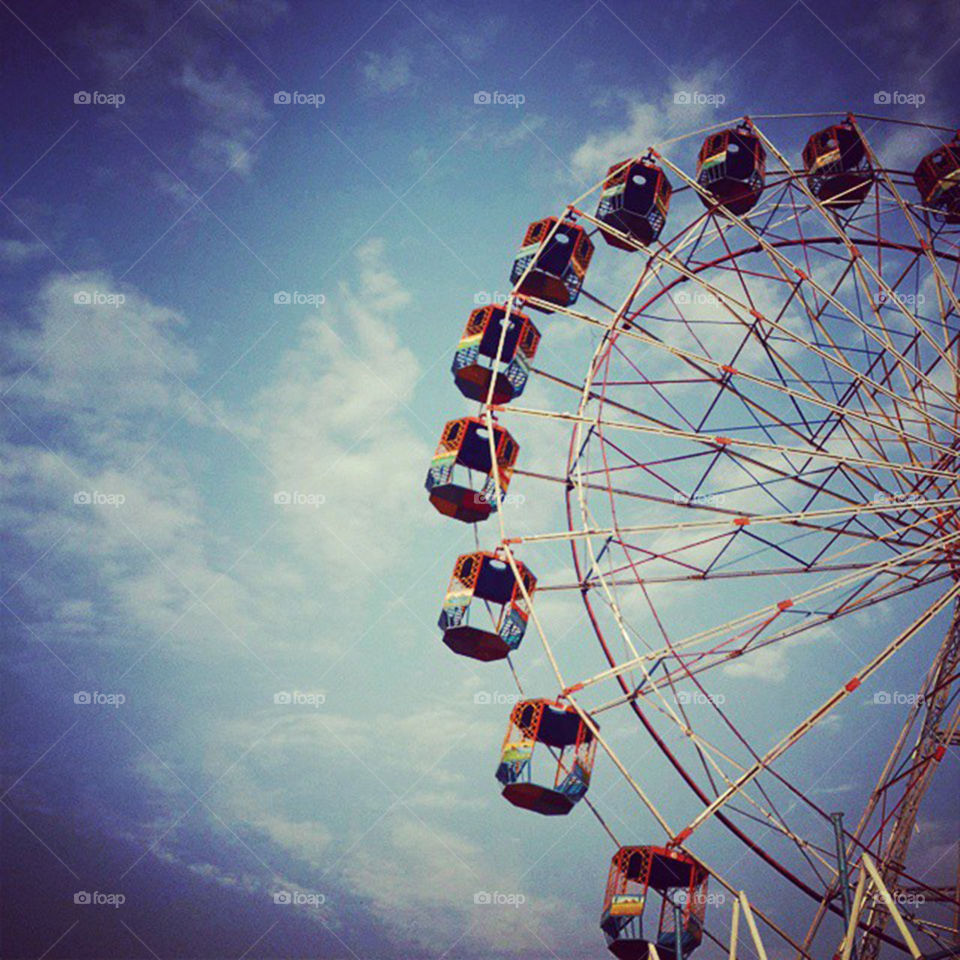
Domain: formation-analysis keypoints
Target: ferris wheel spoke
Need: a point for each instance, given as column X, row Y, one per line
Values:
column 728, row 374
column 696, row 664
column 741, row 520
column 740, row 311
column 774, row 820
column 783, row 264
column 771, row 817
column 817, row 716
column 590, row 583
column 768, row 815
column 860, row 263
column 739, row 626
column 700, row 362
column 686, row 503
column 728, row 442
column 909, row 218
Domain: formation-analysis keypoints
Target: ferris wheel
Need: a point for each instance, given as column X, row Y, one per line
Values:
column 757, row 442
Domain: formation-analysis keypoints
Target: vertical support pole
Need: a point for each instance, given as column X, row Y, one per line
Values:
column 892, row 907
column 854, row 916
column 752, row 925
column 678, row 930
column 843, row 876
column 734, row 930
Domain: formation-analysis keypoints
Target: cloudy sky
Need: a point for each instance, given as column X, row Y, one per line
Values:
column 228, row 318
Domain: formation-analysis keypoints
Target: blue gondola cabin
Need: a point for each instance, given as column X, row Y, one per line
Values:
column 557, row 266
column 547, row 757
column 634, row 201
column 473, row 363
column 681, row 883
column 731, row 168
column 838, row 165
column 938, row 180
column 485, row 577
column 464, row 449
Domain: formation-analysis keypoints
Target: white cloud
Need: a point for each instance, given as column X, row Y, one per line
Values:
column 19, row 251
column 104, row 355
column 132, row 549
column 648, row 121
column 768, row 664
column 418, row 869
column 113, row 376
column 232, row 116
column 387, row 73
column 336, row 422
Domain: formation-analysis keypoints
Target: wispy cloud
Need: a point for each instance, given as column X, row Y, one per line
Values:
column 19, row 251
column 387, row 73
column 231, row 115
column 337, row 422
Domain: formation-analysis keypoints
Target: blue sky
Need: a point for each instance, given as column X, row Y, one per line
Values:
column 148, row 430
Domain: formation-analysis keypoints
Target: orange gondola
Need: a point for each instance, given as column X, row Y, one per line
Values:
column 559, row 263
column 938, row 179
column 838, row 165
column 487, row 577
column 731, row 169
column 680, row 881
column 547, row 724
column 464, row 447
column 635, row 201
column 481, row 340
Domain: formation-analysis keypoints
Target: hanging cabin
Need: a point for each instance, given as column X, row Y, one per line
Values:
column 634, row 201
column 486, row 577
column 475, row 359
column 838, row 166
column 559, row 263
column 464, row 450
column 731, row 168
column 547, row 757
column 681, row 883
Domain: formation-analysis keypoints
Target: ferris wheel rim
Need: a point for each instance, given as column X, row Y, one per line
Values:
column 588, row 396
